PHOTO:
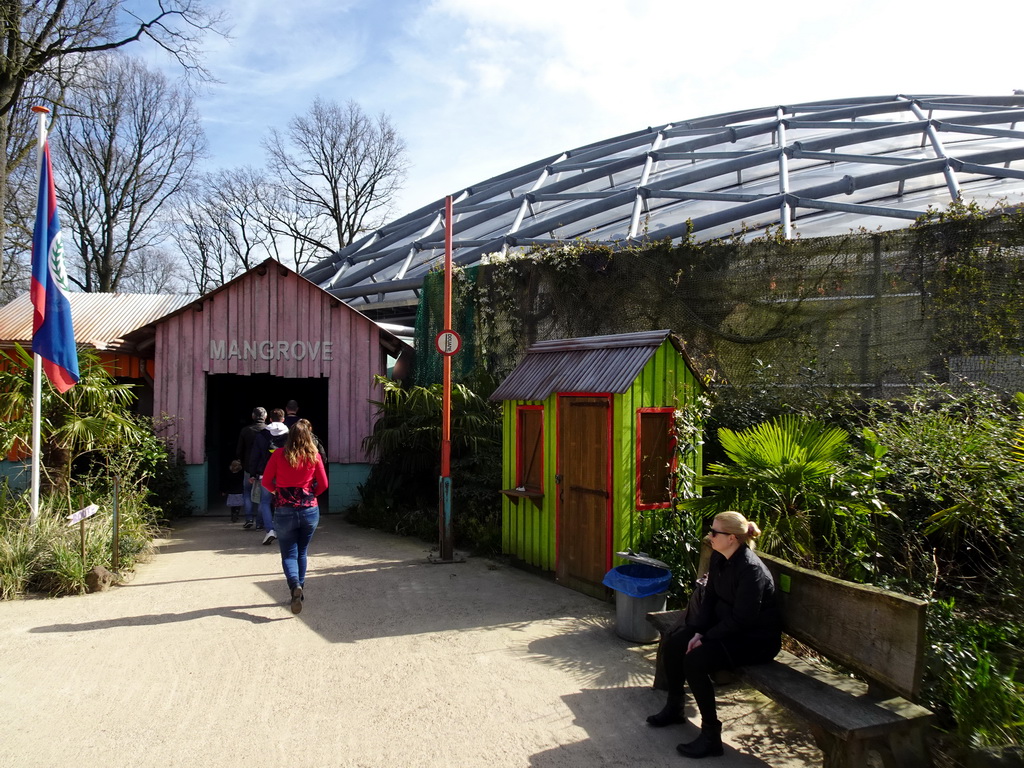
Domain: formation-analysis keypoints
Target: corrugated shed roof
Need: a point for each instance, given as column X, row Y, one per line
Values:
column 589, row 364
column 101, row 320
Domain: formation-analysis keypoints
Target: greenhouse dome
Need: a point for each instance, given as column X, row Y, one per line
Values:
column 808, row 170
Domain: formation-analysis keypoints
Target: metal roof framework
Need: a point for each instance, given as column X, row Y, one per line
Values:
column 813, row 169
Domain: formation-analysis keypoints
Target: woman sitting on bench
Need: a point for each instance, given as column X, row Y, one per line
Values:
column 738, row 623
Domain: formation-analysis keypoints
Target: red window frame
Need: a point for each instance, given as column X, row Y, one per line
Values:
column 536, row 460
column 670, row 465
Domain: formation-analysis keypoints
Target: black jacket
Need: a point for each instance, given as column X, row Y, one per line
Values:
column 740, row 599
column 245, row 440
column 266, row 442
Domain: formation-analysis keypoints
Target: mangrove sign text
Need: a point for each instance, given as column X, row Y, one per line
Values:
column 223, row 349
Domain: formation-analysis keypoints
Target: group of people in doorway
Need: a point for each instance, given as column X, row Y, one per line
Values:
column 278, row 472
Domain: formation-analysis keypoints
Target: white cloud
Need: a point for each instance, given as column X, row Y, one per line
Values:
column 478, row 87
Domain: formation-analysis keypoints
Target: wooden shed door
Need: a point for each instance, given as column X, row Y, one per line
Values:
column 584, row 500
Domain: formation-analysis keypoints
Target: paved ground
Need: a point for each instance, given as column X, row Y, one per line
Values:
column 197, row 661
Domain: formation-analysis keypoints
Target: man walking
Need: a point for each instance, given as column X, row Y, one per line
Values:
column 291, row 413
column 266, row 442
column 246, row 438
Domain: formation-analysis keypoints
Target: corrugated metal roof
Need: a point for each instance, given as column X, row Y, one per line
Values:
column 589, row 364
column 101, row 320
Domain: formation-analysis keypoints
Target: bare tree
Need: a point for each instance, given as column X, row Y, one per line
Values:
column 46, row 40
column 234, row 219
column 222, row 226
column 154, row 270
column 38, row 35
column 298, row 229
column 200, row 235
column 19, row 202
column 339, row 167
column 237, row 204
column 127, row 147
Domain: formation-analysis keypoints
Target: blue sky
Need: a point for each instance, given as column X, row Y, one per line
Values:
column 478, row 87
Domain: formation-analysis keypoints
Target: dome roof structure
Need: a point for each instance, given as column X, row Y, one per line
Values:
column 814, row 169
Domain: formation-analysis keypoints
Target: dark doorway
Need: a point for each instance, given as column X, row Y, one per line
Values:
column 229, row 403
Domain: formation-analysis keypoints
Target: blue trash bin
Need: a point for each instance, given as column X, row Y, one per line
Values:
column 641, row 586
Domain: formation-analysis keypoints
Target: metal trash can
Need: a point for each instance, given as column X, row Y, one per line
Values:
column 641, row 586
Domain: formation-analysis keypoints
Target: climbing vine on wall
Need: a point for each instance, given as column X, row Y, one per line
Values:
column 867, row 310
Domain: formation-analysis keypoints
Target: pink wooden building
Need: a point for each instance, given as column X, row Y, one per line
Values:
column 267, row 337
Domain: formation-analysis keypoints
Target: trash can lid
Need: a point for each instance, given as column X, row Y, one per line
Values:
column 641, row 557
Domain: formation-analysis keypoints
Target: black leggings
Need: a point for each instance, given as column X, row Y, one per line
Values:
column 696, row 667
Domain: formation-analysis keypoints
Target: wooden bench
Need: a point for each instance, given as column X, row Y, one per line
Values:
column 877, row 634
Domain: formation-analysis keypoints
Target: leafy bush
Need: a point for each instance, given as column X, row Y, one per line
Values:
column 401, row 492
column 19, row 547
column 941, row 460
column 957, row 494
column 676, row 541
column 792, row 475
column 972, row 677
column 46, row 557
column 78, row 425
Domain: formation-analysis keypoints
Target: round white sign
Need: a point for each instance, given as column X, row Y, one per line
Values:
column 448, row 342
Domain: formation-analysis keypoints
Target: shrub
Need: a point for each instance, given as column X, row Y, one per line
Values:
column 957, row 494
column 972, row 677
column 401, row 493
column 793, row 476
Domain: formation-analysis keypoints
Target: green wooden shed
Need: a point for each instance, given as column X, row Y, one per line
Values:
column 588, row 447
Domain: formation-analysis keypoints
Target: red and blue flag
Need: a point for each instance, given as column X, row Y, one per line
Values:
column 53, row 336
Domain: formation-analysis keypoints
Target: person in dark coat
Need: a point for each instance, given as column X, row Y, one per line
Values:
column 291, row 413
column 738, row 623
column 243, row 449
column 269, row 440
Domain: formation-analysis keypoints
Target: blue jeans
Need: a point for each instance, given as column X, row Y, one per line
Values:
column 294, row 527
column 247, row 496
column 266, row 513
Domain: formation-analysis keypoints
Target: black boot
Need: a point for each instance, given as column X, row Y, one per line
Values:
column 671, row 713
column 707, row 744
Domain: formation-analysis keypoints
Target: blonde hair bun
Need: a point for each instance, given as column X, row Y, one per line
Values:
column 738, row 525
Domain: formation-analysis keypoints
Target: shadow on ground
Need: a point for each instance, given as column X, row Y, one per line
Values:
column 361, row 586
column 230, row 612
column 590, row 709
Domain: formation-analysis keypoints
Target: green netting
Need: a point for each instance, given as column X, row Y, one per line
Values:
column 430, row 322
column 866, row 310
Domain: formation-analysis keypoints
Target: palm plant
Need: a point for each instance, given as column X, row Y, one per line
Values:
column 791, row 476
column 409, row 424
column 90, row 416
column 401, row 490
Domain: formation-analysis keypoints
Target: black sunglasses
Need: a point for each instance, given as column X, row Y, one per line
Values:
column 714, row 533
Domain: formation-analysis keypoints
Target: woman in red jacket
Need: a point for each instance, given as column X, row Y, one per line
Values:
column 297, row 476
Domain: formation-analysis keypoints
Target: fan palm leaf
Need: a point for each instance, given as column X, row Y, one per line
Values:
column 789, row 474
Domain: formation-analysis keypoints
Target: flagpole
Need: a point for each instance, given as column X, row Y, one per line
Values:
column 37, row 361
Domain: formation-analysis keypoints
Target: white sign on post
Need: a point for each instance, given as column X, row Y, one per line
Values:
column 81, row 514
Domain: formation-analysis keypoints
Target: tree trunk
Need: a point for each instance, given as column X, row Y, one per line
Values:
column 4, row 123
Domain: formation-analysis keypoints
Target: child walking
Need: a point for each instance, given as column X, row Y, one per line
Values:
column 233, row 489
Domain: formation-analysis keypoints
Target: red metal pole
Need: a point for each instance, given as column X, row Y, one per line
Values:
column 446, row 406
column 445, row 489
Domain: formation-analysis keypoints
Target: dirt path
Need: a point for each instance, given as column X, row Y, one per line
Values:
column 393, row 662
